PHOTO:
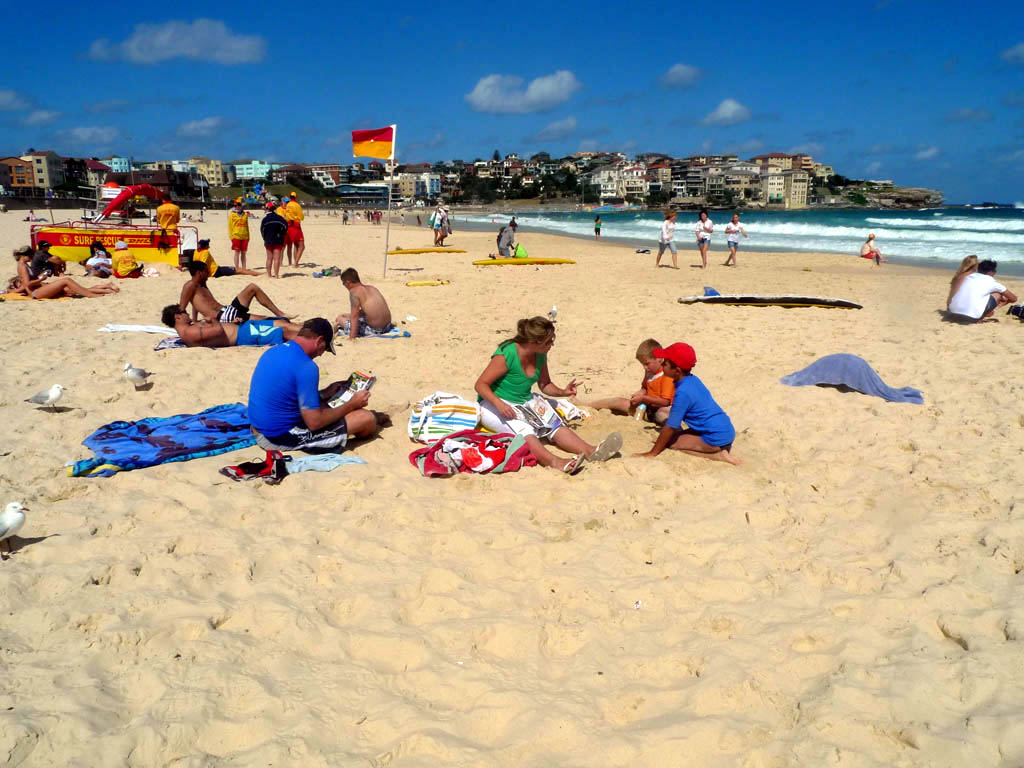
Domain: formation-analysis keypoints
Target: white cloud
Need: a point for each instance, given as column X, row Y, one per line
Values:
column 968, row 115
column 811, row 148
column 729, row 112
column 744, row 147
column 679, row 75
column 554, row 131
column 41, row 116
column 927, row 153
column 202, row 39
column 873, row 167
column 97, row 135
column 1014, row 55
column 505, row 95
column 11, row 101
column 208, row 126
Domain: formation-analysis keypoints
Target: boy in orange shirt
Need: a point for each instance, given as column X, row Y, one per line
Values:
column 656, row 389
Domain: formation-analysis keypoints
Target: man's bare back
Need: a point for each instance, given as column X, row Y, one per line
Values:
column 203, row 301
column 368, row 300
column 207, row 334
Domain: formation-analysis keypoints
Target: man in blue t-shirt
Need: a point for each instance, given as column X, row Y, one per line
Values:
column 709, row 432
column 288, row 412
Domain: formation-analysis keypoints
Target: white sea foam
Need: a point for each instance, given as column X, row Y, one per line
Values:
column 958, row 222
column 947, row 239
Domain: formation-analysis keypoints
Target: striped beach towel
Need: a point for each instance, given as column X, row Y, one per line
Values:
column 440, row 414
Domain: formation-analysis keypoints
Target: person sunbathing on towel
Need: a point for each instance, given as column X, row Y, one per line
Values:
column 33, row 273
column 213, row 333
column 196, row 293
column 370, row 314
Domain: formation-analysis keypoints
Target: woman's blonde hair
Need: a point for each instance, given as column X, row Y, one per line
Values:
column 967, row 266
column 532, row 330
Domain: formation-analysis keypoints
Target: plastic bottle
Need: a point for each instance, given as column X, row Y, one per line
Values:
column 641, row 410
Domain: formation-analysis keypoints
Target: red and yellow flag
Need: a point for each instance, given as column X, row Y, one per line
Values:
column 378, row 142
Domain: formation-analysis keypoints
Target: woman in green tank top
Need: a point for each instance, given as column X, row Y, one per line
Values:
column 517, row 364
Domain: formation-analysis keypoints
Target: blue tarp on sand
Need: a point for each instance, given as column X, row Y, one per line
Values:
column 124, row 445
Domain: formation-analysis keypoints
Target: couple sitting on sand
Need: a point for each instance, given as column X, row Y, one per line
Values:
column 36, row 267
column 974, row 292
column 225, row 325
column 509, row 405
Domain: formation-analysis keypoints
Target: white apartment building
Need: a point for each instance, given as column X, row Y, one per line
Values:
column 795, row 184
column 47, row 168
column 773, row 188
column 212, row 170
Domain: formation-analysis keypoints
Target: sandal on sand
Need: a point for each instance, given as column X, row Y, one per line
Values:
column 575, row 465
column 607, row 448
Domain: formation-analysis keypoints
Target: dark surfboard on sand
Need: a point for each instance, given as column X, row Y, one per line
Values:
column 752, row 300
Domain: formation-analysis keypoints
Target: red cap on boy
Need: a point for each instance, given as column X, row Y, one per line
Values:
column 682, row 355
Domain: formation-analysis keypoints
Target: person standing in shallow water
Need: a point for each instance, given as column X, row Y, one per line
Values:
column 597, row 227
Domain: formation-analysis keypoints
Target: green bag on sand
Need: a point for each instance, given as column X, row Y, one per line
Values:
column 520, row 252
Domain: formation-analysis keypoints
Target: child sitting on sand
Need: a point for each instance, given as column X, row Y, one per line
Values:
column 655, row 393
column 709, row 431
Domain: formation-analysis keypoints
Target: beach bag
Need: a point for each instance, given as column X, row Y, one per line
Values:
column 439, row 415
column 520, row 252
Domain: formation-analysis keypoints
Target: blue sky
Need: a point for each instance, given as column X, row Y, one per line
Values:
column 928, row 94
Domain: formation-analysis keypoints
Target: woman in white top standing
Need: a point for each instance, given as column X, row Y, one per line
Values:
column 668, row 232
column 704, row 230
column 733, row 230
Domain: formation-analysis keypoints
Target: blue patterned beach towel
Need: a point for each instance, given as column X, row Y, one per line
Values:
column 124, row 445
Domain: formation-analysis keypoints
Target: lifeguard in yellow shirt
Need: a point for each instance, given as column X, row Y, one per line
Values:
column 203, row 254
column 238, row 231
column 167, row 217
column 295, row 240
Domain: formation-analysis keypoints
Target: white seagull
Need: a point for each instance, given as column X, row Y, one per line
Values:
column 136, row 376
column 48, row 396
column 11, row 520
column 553, row 313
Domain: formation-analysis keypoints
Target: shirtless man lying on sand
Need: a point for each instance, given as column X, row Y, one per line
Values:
column 369, row 315
column 203, row 303
column 213, row 333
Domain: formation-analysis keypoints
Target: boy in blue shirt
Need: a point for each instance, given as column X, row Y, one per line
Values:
column 709, row 431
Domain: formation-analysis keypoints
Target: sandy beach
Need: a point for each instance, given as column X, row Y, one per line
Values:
column 849, row 596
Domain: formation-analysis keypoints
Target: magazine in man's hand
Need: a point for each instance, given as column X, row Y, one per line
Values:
column 357, row 382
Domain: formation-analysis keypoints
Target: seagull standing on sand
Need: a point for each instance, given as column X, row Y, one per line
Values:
column 136, row 376
column 47, row 396
column 11, row 520
column 553, row 313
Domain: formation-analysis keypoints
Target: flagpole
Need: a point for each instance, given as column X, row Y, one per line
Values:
column 391, row 182
column 387, row 232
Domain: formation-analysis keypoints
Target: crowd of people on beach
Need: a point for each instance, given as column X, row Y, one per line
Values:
column 289, row 410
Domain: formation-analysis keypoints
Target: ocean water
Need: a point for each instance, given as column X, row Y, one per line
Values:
column 930, row 236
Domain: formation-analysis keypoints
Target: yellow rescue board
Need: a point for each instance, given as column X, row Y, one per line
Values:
column 420, row 283
column 505, row 262
column 424, row 250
